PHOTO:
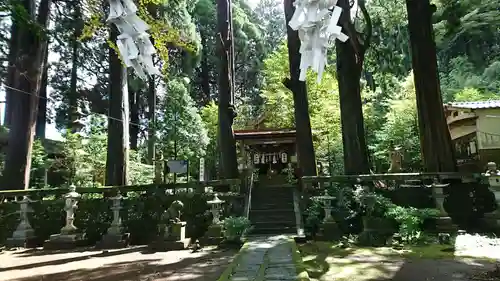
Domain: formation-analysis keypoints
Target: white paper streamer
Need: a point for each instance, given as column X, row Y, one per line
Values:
column 318, row 28
column 133, row 43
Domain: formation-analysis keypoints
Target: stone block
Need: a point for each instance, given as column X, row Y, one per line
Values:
column 64, row 241
column 328, row 231
column 213, row 236
column 161, row 245
column 114, row 241
column 178, row 231
column 29, row 242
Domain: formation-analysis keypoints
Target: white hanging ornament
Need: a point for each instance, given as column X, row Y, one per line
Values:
column 256, row 158
column 133, row 43
column 284, row 157
column 318, row 29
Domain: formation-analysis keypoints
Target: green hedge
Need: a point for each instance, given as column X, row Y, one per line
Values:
column 140, row 216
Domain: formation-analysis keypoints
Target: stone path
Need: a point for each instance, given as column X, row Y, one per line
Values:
column 266, row 259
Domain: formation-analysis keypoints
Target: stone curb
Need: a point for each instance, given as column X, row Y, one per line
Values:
column 226, row 275
column 302, row 274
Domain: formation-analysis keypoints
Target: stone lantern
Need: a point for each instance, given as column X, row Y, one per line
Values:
column 70, row 236
column 115, row 237
column 328, row 229
column 215, row 208
column 214, row 235
column 443, row 221
column 493, row 176
column 24, row 235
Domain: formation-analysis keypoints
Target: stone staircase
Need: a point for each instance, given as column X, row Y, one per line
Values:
column 272, row 210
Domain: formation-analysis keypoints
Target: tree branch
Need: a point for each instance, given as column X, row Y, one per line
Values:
column 369, row 28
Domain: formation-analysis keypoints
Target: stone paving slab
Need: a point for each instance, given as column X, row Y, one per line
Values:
column 274, row 252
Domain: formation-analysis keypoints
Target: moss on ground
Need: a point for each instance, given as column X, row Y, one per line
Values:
column 328, row 261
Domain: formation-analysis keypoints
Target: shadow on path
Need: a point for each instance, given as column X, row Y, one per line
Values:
column 207, row 267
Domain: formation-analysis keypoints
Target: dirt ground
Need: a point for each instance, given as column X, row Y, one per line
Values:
column 131, row 264
column 383, row 264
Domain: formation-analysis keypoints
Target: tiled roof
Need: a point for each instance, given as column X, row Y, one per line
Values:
column 475, row 104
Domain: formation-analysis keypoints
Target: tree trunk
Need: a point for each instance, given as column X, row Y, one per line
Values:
column 152, row 120
column 305, row 148
column 226, row 90
column 33, row 45
column 118, row 134
column 75, row 45
column 205, row 72
column 349, row 68
column 134, row 118
column 435, row 140
column 41, row 120
column 13, row 66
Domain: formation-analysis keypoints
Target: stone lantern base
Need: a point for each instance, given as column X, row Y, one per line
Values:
column 445, row 224
column 213, row 236
column 328, row 231
column 175, row 241
column 114, row 241
column 24, row 238
column 65, row 241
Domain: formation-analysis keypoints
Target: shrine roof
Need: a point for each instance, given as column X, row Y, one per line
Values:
column 263, row 133
column 474, row 104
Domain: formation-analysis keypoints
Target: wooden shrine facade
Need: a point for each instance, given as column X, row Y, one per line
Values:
column 268, row 150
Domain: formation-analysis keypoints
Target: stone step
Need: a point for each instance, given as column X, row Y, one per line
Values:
column 274, row 195
column 271, row 205
column 273, row 211
column 273, row 224
column 285, row 216
column 274, row 230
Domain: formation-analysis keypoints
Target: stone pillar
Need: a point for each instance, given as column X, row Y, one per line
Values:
column 115, row 237
column 493, row 176
column 24, row 235
column 70, row 236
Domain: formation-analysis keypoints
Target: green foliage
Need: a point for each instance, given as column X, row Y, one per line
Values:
column 235, row 228
column 181, row 131
column 323, row 105
column 410, row 221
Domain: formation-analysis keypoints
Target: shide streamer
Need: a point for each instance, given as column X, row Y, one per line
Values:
column 317, row 24
column 133, row 43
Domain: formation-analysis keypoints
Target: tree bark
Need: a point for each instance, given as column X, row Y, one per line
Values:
column 118, row 134
column 152, row 120
column 226, row 90
column 33, row 44
column 134, row 118
column 13, row 66
column 435, row 140
column 75, row 45
column 41, row 121
column 305, row 148
column 349, row 69
column 205, row 72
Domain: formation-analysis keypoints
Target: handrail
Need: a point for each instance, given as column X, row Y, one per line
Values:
column 248, row 198
column 391, row 176
column 197, row 186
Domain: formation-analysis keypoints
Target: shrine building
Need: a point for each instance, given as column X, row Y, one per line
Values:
column 271, row 151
